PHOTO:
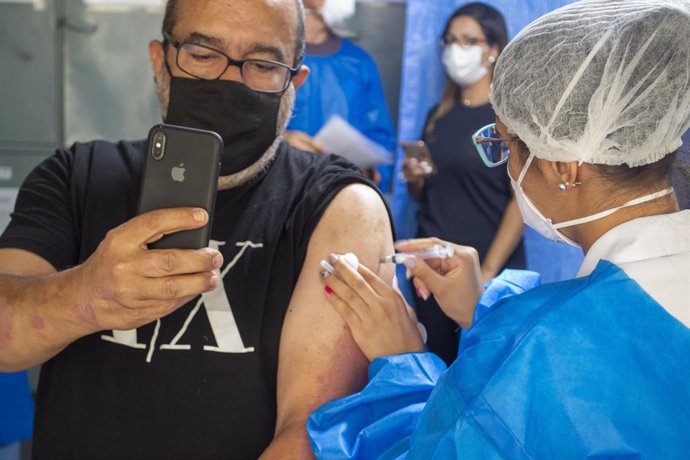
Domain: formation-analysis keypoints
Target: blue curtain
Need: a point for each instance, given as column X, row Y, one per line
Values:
column 421, row 86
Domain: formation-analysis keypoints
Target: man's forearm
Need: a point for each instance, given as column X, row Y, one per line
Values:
column 38, row 318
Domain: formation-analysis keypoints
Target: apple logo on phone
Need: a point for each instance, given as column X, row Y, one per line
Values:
column 177, row 173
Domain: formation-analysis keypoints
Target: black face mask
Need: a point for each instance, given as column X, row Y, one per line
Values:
column 244, row 118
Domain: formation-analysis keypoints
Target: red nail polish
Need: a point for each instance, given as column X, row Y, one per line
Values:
column 329, row 290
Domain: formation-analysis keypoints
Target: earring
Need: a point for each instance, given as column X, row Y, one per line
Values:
column 562, row 186
column 492, row 59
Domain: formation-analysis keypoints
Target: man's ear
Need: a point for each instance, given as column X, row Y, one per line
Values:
column 157, row 56
column 298, row 79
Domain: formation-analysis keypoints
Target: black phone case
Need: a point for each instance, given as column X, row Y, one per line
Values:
column 186, row 175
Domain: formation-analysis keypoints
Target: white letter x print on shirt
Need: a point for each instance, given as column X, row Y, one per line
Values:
column 218, row 311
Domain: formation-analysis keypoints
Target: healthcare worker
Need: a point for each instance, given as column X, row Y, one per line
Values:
column 343, row 80
column 589, row 117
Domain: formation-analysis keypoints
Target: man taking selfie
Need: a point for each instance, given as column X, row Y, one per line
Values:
column 220, row 352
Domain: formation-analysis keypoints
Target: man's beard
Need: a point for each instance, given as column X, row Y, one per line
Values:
column 287, row 104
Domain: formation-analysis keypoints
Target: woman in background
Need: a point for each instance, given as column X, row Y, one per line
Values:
column 463, row 201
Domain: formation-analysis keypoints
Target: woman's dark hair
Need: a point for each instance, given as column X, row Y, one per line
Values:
column 624, row 177
column 490, row 20
column 640, row 177
column 493, row 26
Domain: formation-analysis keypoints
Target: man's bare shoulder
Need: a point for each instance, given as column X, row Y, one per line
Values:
column 357, row 201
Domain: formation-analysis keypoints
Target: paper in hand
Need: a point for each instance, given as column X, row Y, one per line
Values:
column 341, row 138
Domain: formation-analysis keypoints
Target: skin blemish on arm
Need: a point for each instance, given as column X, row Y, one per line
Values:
column 37, row 322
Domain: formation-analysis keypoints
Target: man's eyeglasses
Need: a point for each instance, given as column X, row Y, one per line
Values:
column 462, row 40
column 491, row 147
column 206, row 63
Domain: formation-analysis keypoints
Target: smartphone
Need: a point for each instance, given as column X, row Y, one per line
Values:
column 419, row 150
column 182, row 167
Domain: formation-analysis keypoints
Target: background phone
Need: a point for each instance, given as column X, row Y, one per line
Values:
column 418, row 150
column 182, row 167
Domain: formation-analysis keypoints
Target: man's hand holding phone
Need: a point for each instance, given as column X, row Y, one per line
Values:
column 156, row 262
column 126, row 285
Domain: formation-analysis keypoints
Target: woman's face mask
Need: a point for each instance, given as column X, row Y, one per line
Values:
column 545, row 226
column 531, row 215
column 463, row 64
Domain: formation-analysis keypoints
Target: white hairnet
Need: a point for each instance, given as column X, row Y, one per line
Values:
column 599, row 81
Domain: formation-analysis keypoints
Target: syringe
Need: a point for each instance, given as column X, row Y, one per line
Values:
column 436, row 251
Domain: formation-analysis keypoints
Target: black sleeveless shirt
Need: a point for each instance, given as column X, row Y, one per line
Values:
column 201, row 382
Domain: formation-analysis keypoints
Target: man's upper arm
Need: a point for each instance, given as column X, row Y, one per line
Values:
column 319, row 360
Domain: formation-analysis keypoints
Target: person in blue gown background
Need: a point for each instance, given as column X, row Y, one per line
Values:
column 588, row 121
column 343, row 80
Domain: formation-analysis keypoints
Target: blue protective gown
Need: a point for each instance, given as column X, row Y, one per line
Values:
column 587, row 368
column 345, row 83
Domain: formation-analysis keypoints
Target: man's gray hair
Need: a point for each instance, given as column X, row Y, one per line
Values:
column 170, row 19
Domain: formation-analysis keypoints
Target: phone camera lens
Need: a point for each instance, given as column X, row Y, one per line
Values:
column 158, row 145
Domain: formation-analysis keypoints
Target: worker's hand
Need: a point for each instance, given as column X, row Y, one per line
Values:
column 416, row 171
column 303, row 141
column 380, row 321
column 455, row 282
column 124, row 285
